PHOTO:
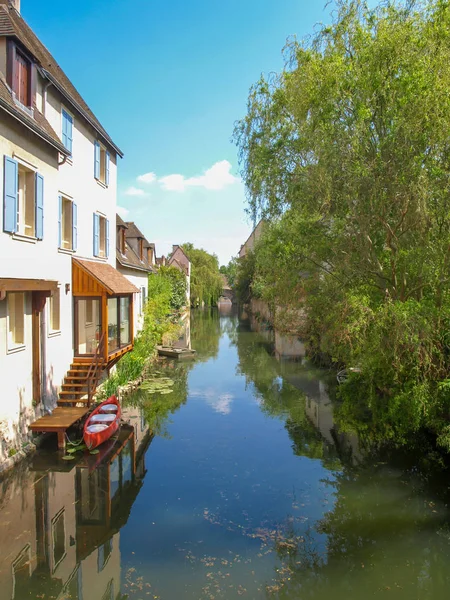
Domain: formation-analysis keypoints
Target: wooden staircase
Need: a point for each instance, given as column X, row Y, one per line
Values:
column 81, row 380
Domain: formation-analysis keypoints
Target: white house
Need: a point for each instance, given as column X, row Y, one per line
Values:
column 61, row 299
column 135, row 260
column 180, row 261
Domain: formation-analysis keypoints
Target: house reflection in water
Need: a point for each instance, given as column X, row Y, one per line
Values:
column 70, row 515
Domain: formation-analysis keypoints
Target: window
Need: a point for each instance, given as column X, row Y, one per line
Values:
column 58, row 538
column 101, row 236
column 16, row 319
column 67, row 224
column 104, row 552
column 121, row 240
column 119, row 331
column 23, row 198
column 89, row 312
column 142, row 298
column 101, row 163
column 20, row 75
column 26, row 202
column 21, row 571
column 67, row 130
column 54, row 311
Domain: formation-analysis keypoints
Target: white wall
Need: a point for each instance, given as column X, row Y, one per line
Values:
column 30, row 259
column 139, row 279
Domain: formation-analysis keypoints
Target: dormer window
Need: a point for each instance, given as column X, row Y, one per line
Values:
column 20, row 75
column 121, row 240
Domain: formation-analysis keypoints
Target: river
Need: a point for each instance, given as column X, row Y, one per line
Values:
column 239, row 483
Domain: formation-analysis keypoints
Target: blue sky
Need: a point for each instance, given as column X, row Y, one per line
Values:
column 168, row 79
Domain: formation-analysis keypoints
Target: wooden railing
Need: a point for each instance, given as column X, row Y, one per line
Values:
column 95, row 368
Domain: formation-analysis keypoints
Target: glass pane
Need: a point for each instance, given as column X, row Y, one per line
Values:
column 113, row 343
column 89, row 325
column 124, row 321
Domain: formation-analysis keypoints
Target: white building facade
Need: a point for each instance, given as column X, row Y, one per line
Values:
column 58, row 174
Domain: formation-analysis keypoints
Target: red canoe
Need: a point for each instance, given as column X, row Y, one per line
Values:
column 102, row 423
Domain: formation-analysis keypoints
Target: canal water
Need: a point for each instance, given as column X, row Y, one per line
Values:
column 241, row 482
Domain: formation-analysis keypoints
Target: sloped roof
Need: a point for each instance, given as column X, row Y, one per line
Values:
column 131, row 259
column 107, row 276
column 174, row 263
column 134, row 231
column 38, row 124
column 120, row 222
column 12, row 24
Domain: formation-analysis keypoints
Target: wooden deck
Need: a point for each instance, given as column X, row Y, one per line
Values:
column 59, row 421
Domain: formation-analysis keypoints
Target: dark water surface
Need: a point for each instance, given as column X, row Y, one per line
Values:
column 248, row 488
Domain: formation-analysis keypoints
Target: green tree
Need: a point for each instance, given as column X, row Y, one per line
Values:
column 206, row 282
column 230, row 271
column 177, row 281
column 346, row 154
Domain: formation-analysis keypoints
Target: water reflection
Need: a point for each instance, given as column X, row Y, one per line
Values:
column 59, row 533
column 255, row 491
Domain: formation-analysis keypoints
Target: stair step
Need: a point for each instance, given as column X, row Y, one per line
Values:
column 76, row 377
column 65, row 402
column 66, row 393
column 73, row 385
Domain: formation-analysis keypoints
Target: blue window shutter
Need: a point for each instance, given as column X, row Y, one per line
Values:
column 74, row 226
column 96, row 160
column 64, row 128
column 69, row 133
column 59, row 221
column 67, row 130
column 10, row 176
column 107, row 238
column 108, row 158
column 96, row 234
column 39, row 200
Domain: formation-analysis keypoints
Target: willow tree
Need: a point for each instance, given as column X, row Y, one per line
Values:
column 206, row 282
column 346, row 152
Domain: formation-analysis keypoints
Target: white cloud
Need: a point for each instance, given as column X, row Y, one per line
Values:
column 221, row 403
column 173, row 183
column 134, row 191
column 122, row 211
column 147, row 178
column 216, row 177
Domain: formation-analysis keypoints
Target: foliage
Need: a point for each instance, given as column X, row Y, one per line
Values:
column 340, row 154
column 157, row 321
column 156, row 407
column 206, row 283
column 230, row 271
column 178, row 282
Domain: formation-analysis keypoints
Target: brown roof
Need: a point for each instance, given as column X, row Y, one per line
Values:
column 12, row 24
column 120, row 222
column 108, row 277
column 131, row 259
column 174, row 263
column 134, row 231
column 38, row 124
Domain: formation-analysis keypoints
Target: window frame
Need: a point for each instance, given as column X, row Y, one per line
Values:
column 71, row 120
column 60, row 515
column 11, row 344
column 51, row 331
column 11, row 66
column 104, row 167
column 65, row 201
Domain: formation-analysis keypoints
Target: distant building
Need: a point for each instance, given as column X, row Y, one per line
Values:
column 180, row 261
column 249, row 244
column 135, row 258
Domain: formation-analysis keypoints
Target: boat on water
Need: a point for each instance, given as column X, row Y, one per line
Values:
column 102, row 423
column 172, row 352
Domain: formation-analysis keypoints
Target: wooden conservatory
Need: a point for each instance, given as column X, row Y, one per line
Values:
column 103, row 311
